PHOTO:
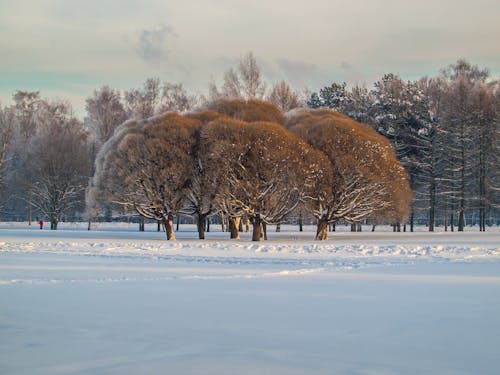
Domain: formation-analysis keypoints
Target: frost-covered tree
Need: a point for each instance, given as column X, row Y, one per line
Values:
column 105, row 112
column 146, row 166
column 7, row 129
column 248, row 110
column 57, row 163
column 366, row 180
column 267, row 169
column 461, row 122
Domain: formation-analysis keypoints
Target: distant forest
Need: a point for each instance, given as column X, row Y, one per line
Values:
column 443, row 130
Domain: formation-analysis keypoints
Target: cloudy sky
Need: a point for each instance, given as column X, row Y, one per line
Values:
column 67, row 48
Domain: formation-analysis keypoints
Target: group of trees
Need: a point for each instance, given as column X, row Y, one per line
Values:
column 446, row 134
column 212, row 155
column 46, row 158
column 236, row 159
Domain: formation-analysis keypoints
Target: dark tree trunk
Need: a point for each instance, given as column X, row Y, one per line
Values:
column 264, row 230
column 158, row 226
column 373, row 228
column 178, row 222
column 233, row 227
column 141, row 224
column 257, row 229
column 322, row 230
column 200, row 224
column 208, row 224
column 461, row 220
column 300, row 222
column 432, row 208
column 278, row 227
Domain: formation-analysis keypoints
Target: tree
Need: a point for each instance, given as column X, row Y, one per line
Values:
column 147, row 165
column 366, row 179
column 283, row 97
column 27, row 105
column 105, row 112
column 207, row 175
column 244, row 82
column 7, row 123
column 248, row 110
column 58, row 163
column 176, row 98
column 267, row 169
column 143, row 103
column 460, row 120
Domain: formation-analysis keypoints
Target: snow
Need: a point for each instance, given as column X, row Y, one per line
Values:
column 118, row 301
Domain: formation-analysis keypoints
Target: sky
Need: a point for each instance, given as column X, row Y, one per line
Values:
column 67, row 48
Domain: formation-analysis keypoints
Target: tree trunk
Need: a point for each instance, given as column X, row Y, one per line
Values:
column 278, row 227
column 322, row 230
column 257, row 228
column 178, row 222
column 240, row 225
column 264, row 230
column 234, row 223
column 373, row 228
column 200, row 224
column 432, row 208
column 300, row 222
column 158, row 227
column 247, row 225
column 208, row 224
column 168, row 225
column 461, row 220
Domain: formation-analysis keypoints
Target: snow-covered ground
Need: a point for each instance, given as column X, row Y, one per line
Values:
column 117, row 301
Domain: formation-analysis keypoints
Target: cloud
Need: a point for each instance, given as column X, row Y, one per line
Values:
column 152, row 44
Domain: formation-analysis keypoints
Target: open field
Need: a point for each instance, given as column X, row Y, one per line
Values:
column 117, row 301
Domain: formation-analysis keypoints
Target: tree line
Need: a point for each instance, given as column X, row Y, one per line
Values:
column 444, row 131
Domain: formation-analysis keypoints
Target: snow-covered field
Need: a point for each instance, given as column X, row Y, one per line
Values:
column 117, row 301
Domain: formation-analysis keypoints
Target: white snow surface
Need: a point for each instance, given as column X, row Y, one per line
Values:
column 117, row 301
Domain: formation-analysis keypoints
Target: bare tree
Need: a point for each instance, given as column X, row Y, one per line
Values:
column 244, row 82
column 176, row 98
column 283, row 97
column 27, row 105
column 105, row 112
column 7, row 129
column 143, row 103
